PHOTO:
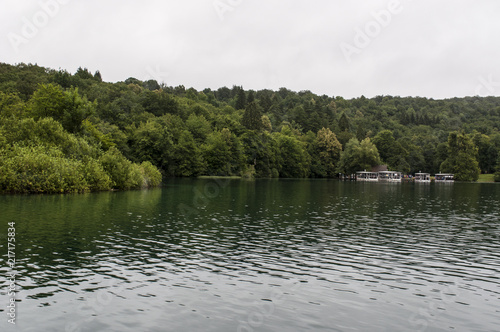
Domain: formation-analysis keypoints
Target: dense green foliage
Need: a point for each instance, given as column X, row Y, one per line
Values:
column 359, row 156
column 50, row 143
column 93, row 135
column 461, row 159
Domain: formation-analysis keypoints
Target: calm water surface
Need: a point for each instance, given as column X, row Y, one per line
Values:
column 265, row 255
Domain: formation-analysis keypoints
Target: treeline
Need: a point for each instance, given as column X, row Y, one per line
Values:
column 123, row 132
column 49, row 145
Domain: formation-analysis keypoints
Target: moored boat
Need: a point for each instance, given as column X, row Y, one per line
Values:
column 422, row 177
column 389, row 176
column 444, row 177
column 367, row 176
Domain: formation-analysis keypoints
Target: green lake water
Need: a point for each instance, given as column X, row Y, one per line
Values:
column 264, row 255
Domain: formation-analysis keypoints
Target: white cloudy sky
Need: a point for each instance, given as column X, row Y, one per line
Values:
column 435, row 49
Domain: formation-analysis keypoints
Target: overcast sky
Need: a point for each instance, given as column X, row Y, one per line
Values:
column 435, row 49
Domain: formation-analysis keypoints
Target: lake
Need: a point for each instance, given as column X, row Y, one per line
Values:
column 263, row 255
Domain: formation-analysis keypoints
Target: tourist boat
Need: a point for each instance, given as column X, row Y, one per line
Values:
column 389, row 176
column 443, row 177
column 367, row 176
column 422, row 177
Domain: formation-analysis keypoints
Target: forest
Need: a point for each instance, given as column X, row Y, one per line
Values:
column 63, row 132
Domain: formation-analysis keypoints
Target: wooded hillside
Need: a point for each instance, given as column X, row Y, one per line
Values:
column 74, row 132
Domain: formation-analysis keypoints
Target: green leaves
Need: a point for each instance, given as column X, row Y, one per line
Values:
column 66, row 107
column 240, row 100
column 487, row 152
column 260, row 153
column 187, row 156
column 41, row 157
column 153, row 142
column 127, row 175
column 11, row 106
column 184, row 132
column 358, row 156
column 497, row 173
column 327, row 151
column 391, row 151
column 38, row 169
column 293, row 160
column 252, row 118
column 222, row 154
column 461, row 161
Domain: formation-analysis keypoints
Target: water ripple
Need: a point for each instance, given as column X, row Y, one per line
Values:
column 407, row 254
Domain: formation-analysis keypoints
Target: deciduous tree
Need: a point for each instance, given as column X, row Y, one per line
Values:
column 328, row 151
column 358, row 156
column 252, row 118
column 461, row 161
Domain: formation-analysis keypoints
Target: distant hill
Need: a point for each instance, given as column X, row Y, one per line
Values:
column 232, row 131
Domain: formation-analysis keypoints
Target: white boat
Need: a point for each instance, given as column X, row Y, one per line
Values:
column 422, row 177
column 444, row 177
column 367, row 176
column 389, row 176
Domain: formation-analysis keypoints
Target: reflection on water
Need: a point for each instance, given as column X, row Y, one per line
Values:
column 266, row 255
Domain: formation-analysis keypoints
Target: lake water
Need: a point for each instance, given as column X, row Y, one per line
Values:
column 265, row 255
